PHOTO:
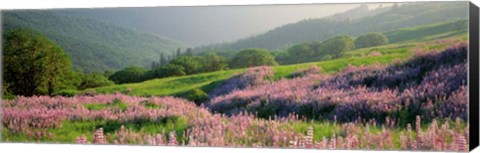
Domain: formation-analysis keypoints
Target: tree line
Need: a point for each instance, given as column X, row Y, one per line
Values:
column 329, row 49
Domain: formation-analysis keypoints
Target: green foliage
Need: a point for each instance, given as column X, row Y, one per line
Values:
column 196, row 95
column 371, row 40
column 107, row 73
column 253, row 57
column 34, row 64
column 166, row 71
column 169, row 85
column 337, row 45
column 6, row 94
column 128, row 75
column 301, row 50
column 191, row 64
column 183, row 65
column 213, row 62
column 93, row 80
column 418, row 32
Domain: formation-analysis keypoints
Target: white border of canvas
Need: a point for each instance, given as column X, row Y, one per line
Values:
column 73, row 148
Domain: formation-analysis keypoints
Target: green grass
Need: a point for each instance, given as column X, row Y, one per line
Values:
column 424, row 32
column 116, row 104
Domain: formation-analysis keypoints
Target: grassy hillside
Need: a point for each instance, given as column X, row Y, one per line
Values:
column 406, row 15
column 417, row 33
column 93, row 45
column 206, row 81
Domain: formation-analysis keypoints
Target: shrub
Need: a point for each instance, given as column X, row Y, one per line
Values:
column 335, row 46
column 6, row 94
column 166, row 71
column 370, row 40
column 128, row 75
column 94, row 80
column 253, row 57
column 213, row 62
column 190, row 64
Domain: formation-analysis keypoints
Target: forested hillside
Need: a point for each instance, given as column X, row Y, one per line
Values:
column 93, row 45
column 398, row 16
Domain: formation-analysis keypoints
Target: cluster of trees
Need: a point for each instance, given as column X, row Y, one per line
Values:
column 35, row 65
column 183, row 64
column 329, row 49
column 370, row 40
column 188, row 63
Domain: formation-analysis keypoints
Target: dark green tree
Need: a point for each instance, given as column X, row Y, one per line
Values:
column 253, row 57
column 128, row 75
column 370, row 40
column 335, row 46
column 93, row 80
column 167, row 71
column 300, row 51
column 213, row 62
column 33, row 64
column 191, row 64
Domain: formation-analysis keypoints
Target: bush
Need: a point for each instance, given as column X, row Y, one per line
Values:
column 337, row 45
column 197, row 95
column 253, row 57
column 128, row 75
column 167, row 71
column 190, row 64
column 93, row 80
column 212, row 62
column 6, row 94
column 370, row 40
column 300, row 51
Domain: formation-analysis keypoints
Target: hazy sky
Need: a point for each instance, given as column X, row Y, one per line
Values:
column 212, row 24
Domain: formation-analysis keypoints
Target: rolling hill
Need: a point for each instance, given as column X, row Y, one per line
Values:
column 93, row 45
column 427, row 38
column 402, row 16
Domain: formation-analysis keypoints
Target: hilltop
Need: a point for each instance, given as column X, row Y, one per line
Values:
column 93, row 45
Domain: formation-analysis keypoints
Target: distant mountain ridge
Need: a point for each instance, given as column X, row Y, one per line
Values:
column 395, row 17
column 93, row 45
